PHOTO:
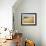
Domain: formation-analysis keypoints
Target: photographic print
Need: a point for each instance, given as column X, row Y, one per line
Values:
column 28, row 18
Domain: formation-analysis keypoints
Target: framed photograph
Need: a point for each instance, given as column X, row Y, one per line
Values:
column 28, row 19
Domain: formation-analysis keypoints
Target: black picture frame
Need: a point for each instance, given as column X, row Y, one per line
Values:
column 29, row 19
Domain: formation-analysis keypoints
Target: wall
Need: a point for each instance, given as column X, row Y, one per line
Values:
column 6, row 13
column 43, row 22
column 6, row 16
column 29, row 32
